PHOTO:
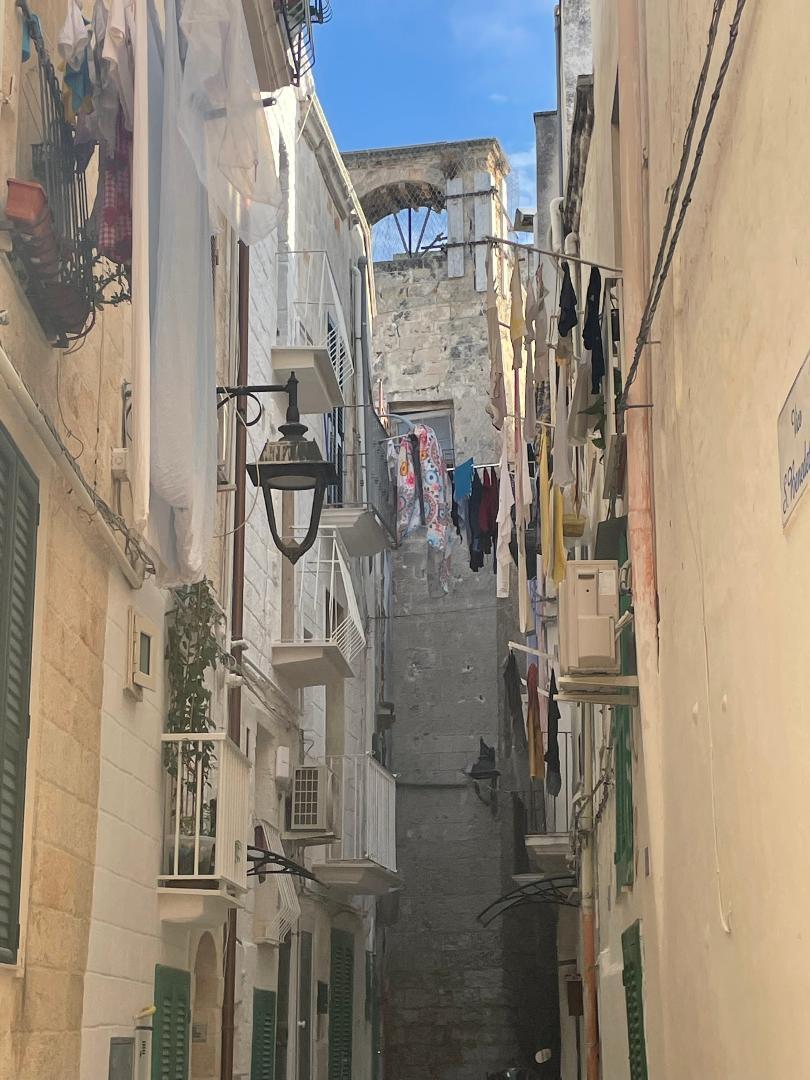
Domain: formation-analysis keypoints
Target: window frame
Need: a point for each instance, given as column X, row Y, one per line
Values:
column 11, row 956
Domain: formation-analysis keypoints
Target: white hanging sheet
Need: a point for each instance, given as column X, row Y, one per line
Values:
column 183, row 376
column 222, row 120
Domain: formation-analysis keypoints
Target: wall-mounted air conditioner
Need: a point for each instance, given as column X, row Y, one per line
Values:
column 313, row 802
column 589, row 612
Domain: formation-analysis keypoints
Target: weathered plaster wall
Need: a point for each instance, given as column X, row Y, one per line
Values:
column 577, row 59
column 547, row 141
column 707, row 788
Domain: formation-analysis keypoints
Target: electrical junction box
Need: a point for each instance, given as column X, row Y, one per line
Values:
column 589, row 612
column 120, row 463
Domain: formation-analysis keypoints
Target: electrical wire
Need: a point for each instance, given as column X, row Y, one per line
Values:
column 669, row 243
column 241, row 525
column 65, row 425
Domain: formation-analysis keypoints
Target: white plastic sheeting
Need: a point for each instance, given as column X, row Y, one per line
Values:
column 215, row 153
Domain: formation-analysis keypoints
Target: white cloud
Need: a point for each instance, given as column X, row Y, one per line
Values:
column 499, row 99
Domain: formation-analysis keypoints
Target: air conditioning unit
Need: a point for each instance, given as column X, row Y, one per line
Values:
column 589, row 612
column 313, row 802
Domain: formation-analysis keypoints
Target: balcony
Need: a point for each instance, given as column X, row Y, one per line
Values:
column 282, row 39
column 47, row 205
column 369, row 525
column 543, row 822
column 313, row 340
column 206, row 827
column 363, row 861
column 328, row 628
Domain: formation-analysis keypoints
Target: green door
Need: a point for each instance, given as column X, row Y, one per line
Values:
column 170, row 1051
column 304, row 1005
column 263, row 1054
column 341, row 997
column 634, row 1001
column 19, row 494
column 283, row 1008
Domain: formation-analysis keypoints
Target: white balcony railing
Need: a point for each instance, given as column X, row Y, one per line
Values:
column 328, row 634
column 327, row 606
column 310, row 314
column 367, row 814
column 206, row 811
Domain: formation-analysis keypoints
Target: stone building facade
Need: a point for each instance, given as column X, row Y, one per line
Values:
column 460, row 999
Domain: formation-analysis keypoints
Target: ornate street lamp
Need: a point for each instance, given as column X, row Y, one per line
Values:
column 291, row 463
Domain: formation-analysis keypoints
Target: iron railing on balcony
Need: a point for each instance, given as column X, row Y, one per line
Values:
column 206, row 810
column 327, row 609
column 298, row 17
column 536, row 813
column 367, row 819
column 51, row 242
column 310, row 313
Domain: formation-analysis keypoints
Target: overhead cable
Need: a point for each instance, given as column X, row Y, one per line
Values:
column 669, row 243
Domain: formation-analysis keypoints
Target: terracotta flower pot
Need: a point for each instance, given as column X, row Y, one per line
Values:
column 27, row 202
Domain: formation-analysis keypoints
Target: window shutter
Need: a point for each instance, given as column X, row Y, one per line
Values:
column 634, row 1000
column 170, row 1027
column 341, row 996
column 18, row 537
column 263, row 1053
column 623, row 752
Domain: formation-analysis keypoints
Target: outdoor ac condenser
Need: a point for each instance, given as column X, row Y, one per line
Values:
column 588, row 614
column 312, row 807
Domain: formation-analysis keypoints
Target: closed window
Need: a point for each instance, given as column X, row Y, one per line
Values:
column 19, row 512
column 438, row 417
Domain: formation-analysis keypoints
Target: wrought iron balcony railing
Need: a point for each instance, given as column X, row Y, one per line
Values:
column 48, row 208
column 367, row 812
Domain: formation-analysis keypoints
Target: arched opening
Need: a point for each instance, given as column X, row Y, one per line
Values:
column 408, row 218
column 205, row 1012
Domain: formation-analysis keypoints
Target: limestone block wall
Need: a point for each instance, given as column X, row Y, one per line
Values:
column 430, row 345
column 41, row 997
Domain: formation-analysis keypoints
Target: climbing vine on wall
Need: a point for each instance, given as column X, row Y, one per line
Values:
column 193, row 650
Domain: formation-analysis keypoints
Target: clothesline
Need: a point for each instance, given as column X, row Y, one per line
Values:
column 530, row 651
column 558, row 255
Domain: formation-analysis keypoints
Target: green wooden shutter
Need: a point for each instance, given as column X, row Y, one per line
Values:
column 263, row 1054
column 341, row 999
column 634, row 1000
column 170, row 1027
column 304, row 1005
column 18, row 540
column 624, row 855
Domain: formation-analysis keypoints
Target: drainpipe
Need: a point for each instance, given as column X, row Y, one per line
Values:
column 237, row 633
column 588, row 903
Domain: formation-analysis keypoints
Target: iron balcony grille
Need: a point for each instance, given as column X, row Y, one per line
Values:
column 296, row 17
column 59, row 283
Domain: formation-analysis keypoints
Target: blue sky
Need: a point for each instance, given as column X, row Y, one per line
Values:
column 395, row 72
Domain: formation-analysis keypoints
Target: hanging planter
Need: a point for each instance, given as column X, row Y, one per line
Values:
column 27, row 203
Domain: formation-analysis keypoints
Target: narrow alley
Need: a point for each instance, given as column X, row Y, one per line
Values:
column 401, row 605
